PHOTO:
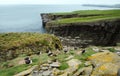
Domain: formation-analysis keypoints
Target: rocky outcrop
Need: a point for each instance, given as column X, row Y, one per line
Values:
column 102, row 32
column 105, row 64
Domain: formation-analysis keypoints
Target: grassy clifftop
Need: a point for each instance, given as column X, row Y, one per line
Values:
column 87, row 16
column 14, row 44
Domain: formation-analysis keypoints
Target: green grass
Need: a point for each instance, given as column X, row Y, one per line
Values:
column 13, row 70
column 63, row 66
column 91, row 15
column 83, row 57
column 112, row 49
column 10, row 71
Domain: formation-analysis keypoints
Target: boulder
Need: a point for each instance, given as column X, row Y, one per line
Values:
column 74, row 62
column 85, row 71
column 104, row 57
column 107, row 69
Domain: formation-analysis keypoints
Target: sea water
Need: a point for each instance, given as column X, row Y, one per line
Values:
column 26, row 18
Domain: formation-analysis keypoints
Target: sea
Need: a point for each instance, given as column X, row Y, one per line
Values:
column 26, row 18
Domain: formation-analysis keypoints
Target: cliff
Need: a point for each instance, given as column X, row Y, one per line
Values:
column 85, row 27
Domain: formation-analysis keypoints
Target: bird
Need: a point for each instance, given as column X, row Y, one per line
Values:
column 83, row 51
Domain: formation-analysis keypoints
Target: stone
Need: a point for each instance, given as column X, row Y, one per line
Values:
column 45, row 65
column 77, row 37
column 87, row 63
column 73, row 62
column 104, row 50
column 70, row 57
column 118, row 53
column 96, row 49
column 55, row 65
column 103, row 57
column 56, row 72
column 49, row 61
column 44, row 68
column 72, row 70
column 26, row 72
column 88, row 70
column 85, row 71
column 79, row 72
column 47, row 73
column 65, row 74
column 118, row 73
column 107, row 69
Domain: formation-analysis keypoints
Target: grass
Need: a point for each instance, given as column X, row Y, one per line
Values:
column 13, row 70
column 83, row 57
column 112, row 49
column 10, row 71
column 63, row 66
column 88, row 16
column 26, row 43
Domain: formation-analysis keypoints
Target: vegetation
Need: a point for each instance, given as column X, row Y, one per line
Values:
column 88, row 16
column 112, row 49
column 63, row 66
column 14, row 44
column 7, row 70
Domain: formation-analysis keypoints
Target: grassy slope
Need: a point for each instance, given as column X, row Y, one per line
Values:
column 26, row 43
column 100, row 15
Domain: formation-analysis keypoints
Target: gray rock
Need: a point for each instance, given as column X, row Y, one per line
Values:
column 55, row 65
column 44, row 68
column 47, row 73
column 118, row 73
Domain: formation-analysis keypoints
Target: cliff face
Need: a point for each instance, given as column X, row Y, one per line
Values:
column 102, row 32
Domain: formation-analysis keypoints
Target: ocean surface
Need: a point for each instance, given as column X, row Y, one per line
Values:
column 26, row 18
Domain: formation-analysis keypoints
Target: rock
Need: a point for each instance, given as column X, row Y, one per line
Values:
column 65, row 74
column 73, row 67
column 104, row 50
column 56, row 72
column 47, row 73
column 118, row 73
column 104, row 57
column 26, row 72
column 44, row 68
column 70, row 71
column 73, row 62
column 107, row 69
column 85, row 71
column 45, row 65
column 88, row 63
column 96, row 49
column 35, row 73
column 55, row 65
column 70, row 57
column 79, row 72
column 88, row 70
column 118, row 53
column 77, row 37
